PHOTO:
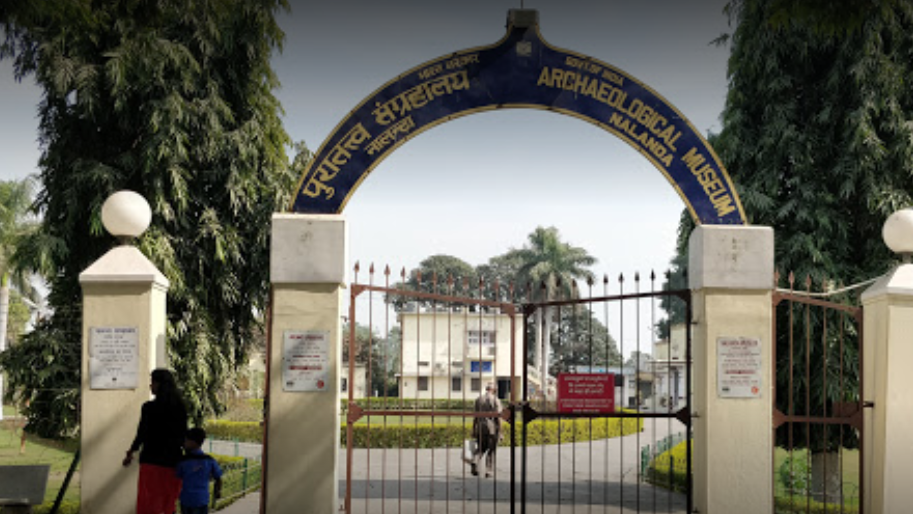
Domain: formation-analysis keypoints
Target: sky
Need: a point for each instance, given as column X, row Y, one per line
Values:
column 476, row 186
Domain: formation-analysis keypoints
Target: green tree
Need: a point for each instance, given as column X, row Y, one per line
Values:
column 15, row 224
column 552, row 265
column 20, row 312
column 172, row 100
column 379, row 354
column 824, row 17
column 582, row 341
column 432, row 275
column 676, row 278
column 817, row 135
column 504, row 270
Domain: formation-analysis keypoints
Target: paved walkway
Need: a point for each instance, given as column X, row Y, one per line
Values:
column 247, row 504
column 585, row 477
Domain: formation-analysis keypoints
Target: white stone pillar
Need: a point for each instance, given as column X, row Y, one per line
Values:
column 731, row 271
column 123, row 289
column 887, row 358
column 308, row 265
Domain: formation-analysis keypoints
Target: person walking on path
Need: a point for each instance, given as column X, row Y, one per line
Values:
column 196, row 470
column 160, row 440
column 486, row 430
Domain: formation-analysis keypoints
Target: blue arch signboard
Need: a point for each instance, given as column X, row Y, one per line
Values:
column 520, row 71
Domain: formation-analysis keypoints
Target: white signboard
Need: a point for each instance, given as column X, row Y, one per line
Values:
column 739, row 367
column 113, row 363
column 305, row 361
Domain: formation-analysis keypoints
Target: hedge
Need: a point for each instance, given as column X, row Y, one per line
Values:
column 396, row 403
column 230, row 430
column 539, row 432
column 658, row 472
column 426, row 436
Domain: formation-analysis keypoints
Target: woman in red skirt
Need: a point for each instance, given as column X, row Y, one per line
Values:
column 160, row 440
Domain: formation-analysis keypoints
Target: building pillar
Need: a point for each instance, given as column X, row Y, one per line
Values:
column 731, row 272
column 308, row 264
column 887, row 358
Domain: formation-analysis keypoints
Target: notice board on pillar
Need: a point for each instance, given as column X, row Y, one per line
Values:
column 113, row 358
column 305, row 361
column 739, row 367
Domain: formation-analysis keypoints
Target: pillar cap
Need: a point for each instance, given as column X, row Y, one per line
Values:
column 123, row 264
column 731, row 257
column 898, row 282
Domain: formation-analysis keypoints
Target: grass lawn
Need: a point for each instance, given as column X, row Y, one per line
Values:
column 38, row 451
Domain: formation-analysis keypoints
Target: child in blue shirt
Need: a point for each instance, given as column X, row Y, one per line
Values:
column 195, row 472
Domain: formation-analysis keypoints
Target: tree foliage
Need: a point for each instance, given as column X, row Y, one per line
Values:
column 581, row 340
column 433, row 275
column 833, row 18
column 549, row 263
column 817, row 135
column 15, row 280
column 172, row 100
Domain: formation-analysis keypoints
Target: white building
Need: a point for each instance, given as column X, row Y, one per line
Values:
column 668, row 366
column 453, row 354
column 359, row 383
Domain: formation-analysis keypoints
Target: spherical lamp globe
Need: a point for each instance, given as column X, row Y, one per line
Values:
column 126, row 214
column 897, row 232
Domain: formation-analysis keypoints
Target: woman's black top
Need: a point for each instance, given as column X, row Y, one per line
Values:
column 161, row 433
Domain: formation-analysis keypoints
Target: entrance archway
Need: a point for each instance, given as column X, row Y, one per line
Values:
column 519, row 71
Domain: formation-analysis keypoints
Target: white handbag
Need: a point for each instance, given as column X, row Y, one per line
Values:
column 469, row 451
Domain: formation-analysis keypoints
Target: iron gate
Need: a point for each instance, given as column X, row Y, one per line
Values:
column 818, row 403
column 427, row 354
column 601, row 476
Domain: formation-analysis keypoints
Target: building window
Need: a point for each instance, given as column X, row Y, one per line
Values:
column 423, row 383
column 475, row 384
column 457, row 384
column 344, row 384
column 484, row 366
column 423, row 363
column 485, row 338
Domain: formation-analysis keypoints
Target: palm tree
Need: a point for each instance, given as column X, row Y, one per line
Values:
column 546, row 260
column 15, row 200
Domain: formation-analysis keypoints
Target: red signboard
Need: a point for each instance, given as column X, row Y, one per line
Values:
column 587, row 393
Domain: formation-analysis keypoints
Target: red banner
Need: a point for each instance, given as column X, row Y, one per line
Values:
column 587, row 393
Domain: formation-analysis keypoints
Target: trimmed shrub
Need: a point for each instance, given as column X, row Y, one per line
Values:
column 539, row 432
column 396, row 403
column 425, row 435
column 669, row 469
column 230, row 430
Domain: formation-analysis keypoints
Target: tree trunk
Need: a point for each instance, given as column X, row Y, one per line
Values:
column 4, row 315
column 826, row 477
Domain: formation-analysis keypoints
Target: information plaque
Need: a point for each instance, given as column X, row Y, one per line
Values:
column 113, row 363
column 739, row 367
column 305, row 361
